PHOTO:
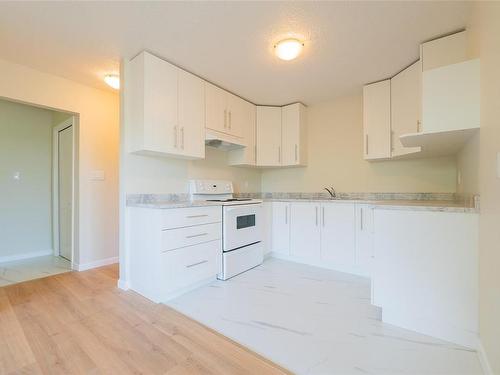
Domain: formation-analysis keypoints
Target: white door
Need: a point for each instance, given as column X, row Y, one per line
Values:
column 215, row 104
column 281, row 227
column 406, row 97
column 377, row 120
column 338, row 236
column 305, row 231
column 191, row 115
column 268, row 136
column 65, row 189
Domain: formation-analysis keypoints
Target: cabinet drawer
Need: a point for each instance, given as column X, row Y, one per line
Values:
column 184, row 217
column 189, row 265
column 181, row 237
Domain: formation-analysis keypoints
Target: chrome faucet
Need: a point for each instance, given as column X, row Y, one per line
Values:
column 332, row 192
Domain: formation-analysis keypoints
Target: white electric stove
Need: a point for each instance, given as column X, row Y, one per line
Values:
column 242, row 230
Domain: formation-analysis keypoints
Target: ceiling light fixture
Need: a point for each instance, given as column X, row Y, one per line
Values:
column 288, row 49
column 113, row 80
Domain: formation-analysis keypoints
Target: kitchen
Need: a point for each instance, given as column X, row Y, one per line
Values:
column 310, row 193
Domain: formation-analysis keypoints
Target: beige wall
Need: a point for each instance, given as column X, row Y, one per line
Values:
column 468, row 167
column 335, row 139
column 26, row 204
column 97, row 135
column 485, row 25
column 153, row 174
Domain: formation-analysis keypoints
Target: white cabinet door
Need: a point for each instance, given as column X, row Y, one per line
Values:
column 215, row 104
column 237, row 115
column 191, row 115
column 293, row 131
column 364, row 238
column 444, row 51
column 268, row 136
column 377, row 120
column 338, row 236
column 152, row 101
column 451, row 97
column 406, row 101
column 281, row 227
column 247, row 154
column 305, row 231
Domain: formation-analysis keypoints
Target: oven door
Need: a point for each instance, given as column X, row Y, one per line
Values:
column 242, row 225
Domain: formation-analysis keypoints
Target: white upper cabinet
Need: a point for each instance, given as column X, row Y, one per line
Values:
column 305, row 238
column 153, row 102
column 294, row 135
column 451, row 97
column 338, row 234
column 246, row 118
column 191, row 115
column 281, row 136
column 226, row 113
column 268, row 136
column 216, row 111
column 377, row 120
column 405, row 107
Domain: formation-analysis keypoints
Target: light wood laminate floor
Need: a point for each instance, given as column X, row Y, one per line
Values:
column 80, row 323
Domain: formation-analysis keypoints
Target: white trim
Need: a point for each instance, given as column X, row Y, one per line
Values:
column 55, row 188
column 122, row 284
column 483, row 359
column 33, row 254
column 95, row 264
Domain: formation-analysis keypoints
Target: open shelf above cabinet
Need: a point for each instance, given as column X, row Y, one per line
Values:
column 438, row 143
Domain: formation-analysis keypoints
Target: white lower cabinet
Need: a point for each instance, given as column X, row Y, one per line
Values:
column 173, row 250
column 338, row 234
column 280, row 236
column 305, row 238
column 364, row 238
column 334, row 235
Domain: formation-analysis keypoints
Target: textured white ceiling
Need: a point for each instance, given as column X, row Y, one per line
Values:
column 347, row 44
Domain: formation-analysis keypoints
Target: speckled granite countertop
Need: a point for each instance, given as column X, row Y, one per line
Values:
column 395, row 204
column 444, row 203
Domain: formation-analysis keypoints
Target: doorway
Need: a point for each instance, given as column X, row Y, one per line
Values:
column 63, row 189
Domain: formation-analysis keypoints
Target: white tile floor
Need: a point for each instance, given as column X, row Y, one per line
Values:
column 316, row 321
column 34, row 268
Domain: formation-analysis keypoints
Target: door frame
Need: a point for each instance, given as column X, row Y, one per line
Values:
column 55, row 187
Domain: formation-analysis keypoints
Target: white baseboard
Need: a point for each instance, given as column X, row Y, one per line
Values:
column 483, row 359
column 33, row 254
column 123, row 284
column 95, row 264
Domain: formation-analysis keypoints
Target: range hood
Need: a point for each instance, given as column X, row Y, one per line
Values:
column 222, row 141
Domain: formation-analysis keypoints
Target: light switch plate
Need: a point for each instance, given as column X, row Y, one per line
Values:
column 97, row 175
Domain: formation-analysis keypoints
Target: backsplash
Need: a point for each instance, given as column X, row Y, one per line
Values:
column 360, row 196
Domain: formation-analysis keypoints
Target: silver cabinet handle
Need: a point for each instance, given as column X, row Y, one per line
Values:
column 196, row 264
column 323, row 214
column 195, row 216
column 418, row 126
column 392, row 141
column 229, row 120
column 366, row 144
column 175, row 136
column 182, row 137
column 361, row 218
column 197, row 235
column 279, row 154
column 296, row 152
column 225, row 118
column 316, row 215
